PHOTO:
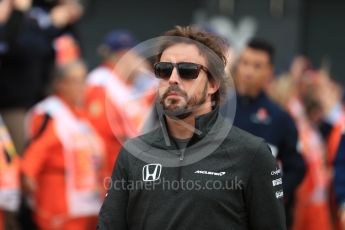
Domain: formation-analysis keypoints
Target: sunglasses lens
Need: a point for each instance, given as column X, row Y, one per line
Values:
column 188, row 70
column 163, row 69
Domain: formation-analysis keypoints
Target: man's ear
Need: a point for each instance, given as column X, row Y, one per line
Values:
column 213, row 86
column 270, row 73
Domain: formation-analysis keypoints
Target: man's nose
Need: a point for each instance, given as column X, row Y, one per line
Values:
column 174, row 77
column 248, row 72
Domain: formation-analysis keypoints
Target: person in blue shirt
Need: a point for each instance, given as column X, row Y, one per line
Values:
column 257, row 114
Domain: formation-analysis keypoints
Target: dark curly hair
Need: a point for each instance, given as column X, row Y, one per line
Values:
column 212, row 47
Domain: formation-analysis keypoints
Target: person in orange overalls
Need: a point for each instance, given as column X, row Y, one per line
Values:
column 63, row 166
column 9, row 179
column 329, row 94
column 120, row 93
column 311, row 211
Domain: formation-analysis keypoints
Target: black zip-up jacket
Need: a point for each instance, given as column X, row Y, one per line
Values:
column 237, row 186
column 262, row 117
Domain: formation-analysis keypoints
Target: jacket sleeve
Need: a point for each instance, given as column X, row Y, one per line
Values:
column 113, row 211
column 36, row 154
column 264, row 192
column 339, row 174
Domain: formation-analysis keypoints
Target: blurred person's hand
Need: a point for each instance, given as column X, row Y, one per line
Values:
column 5, row 10
column 6, row 7
column 298, row 67
column 76, row 11
column 22, row 5
column 327, row 91
column 59, row 16
column 66, row 14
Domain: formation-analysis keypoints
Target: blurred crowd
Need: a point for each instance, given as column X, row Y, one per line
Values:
column 61, row 126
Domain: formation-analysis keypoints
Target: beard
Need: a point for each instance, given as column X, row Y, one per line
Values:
column 173, row 108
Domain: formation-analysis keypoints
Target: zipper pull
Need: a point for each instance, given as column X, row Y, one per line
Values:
column 182, row 155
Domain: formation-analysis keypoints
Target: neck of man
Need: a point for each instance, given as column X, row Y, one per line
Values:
column 185, row 128
column 72, row 104
column 250, row 93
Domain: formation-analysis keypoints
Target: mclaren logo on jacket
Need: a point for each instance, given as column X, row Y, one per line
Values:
column 210, row 173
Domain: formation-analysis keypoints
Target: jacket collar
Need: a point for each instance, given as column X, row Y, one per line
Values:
column 203, row 125
column 246, row 100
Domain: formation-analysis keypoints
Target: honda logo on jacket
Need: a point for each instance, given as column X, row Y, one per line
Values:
column 152, row 172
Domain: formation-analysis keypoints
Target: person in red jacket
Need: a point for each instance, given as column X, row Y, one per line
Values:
column 120, row 93
column 63, row 166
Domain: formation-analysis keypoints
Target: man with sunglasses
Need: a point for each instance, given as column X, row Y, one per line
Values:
column 168, row 178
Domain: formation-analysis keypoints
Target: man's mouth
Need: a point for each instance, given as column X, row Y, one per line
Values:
column 174, row 94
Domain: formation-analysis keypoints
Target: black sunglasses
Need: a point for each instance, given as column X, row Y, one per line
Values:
column 186, row 70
